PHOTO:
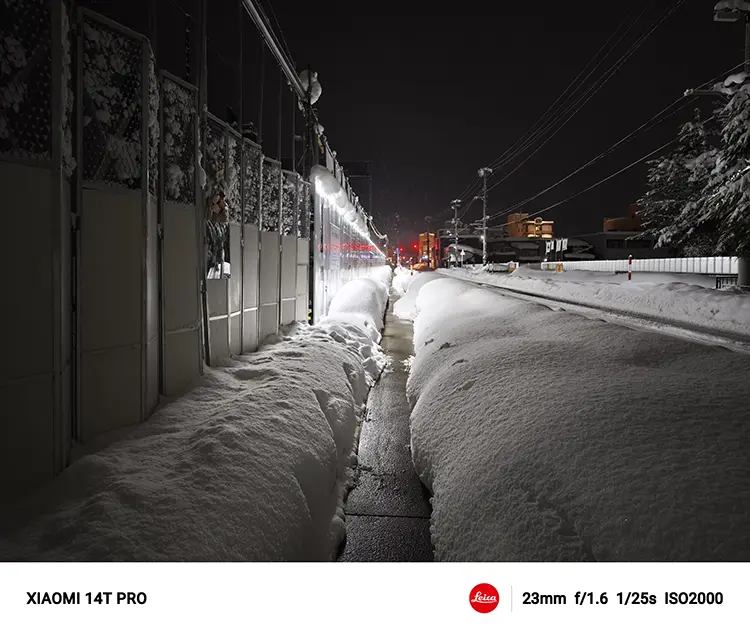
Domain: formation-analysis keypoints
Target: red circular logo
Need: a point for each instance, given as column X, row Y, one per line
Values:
column 484, row 598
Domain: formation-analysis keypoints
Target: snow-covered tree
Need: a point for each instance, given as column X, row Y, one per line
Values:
column 723, row 209
column 676, row 183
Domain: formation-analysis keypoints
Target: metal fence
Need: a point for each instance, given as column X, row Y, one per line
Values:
column 119, row 109
column 718, row 265
column 179, row 109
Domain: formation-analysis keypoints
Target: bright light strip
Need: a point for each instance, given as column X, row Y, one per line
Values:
column 338, row 199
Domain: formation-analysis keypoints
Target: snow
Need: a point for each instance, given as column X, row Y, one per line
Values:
column 735, row 78
column 362, row 303
column 251, row 464
column 729, row 5
column 408, row 284
column 688, row 300
column 545, row 436
column 316, row 89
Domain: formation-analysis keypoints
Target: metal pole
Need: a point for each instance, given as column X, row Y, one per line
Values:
column 243, row 167
column 294, row 133
column 262, row 84
column 152, row 26
column 312, row 159
column 743, row 261
column 281, row 116
column 273, row 44
column 484, row 173
column 455, row 204
column 202, row 105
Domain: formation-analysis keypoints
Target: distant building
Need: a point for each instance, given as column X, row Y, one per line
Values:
column 620, row 238
column 631, row 222
column 429, row 248
column 521, row 226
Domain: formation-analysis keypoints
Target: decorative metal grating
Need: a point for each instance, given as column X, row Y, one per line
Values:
column 234, row 182
column 25, row 79
column 214, row 155
column 153, row 125
column 270, row 204
column 112, row 105
column 179, row 111
column 304, row 204
column 289, row 203
column 251, row 182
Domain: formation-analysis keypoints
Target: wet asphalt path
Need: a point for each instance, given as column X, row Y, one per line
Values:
column 388, row 510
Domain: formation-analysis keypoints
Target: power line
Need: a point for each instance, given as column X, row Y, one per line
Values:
column 653, row 121
column 617, row 173
column 561, row 112
column 532, row 132
column 584, row 98
column 498, row 162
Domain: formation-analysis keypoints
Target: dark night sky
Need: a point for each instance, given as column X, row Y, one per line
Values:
column 431, row 93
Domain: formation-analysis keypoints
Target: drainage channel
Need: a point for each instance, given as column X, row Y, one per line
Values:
column 388, row 509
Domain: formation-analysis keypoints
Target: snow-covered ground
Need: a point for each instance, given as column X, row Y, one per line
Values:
column 544, row 435
column 252, row 464
column 685, row 299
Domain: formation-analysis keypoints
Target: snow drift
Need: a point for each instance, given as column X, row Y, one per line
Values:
column 252, row 464
column 546, row 436
column 682, row 299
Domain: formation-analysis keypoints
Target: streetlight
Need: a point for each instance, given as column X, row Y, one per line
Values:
column 733, row 11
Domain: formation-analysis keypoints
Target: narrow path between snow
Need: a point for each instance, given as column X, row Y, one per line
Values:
column 388, row 510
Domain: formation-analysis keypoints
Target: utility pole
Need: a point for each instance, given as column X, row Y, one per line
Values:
column 734, row 14
column 455, row 204
column 483, row 174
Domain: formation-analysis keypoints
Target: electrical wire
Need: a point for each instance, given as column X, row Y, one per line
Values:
column 653, row 121
column 611, row 176
column 584, row 98
column 569, row 110
column 533, row 132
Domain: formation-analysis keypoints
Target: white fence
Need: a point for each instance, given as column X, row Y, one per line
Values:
column 702, row 266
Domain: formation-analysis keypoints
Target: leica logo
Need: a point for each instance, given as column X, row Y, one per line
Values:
column 484, row 598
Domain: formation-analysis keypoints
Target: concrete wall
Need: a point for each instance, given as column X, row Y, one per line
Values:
column 303, row 281
column 35, row 365
column 288, row 280
column 182, row 317
column 251, row 286
column 118, row 310
column 269, row 284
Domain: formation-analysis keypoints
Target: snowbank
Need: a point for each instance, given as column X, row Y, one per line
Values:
column 683, row 299
column 544, row 435
column 252, row 464
column 407, row 284
column 362, row 303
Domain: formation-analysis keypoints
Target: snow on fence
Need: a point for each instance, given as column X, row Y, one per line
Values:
column 717, row 265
